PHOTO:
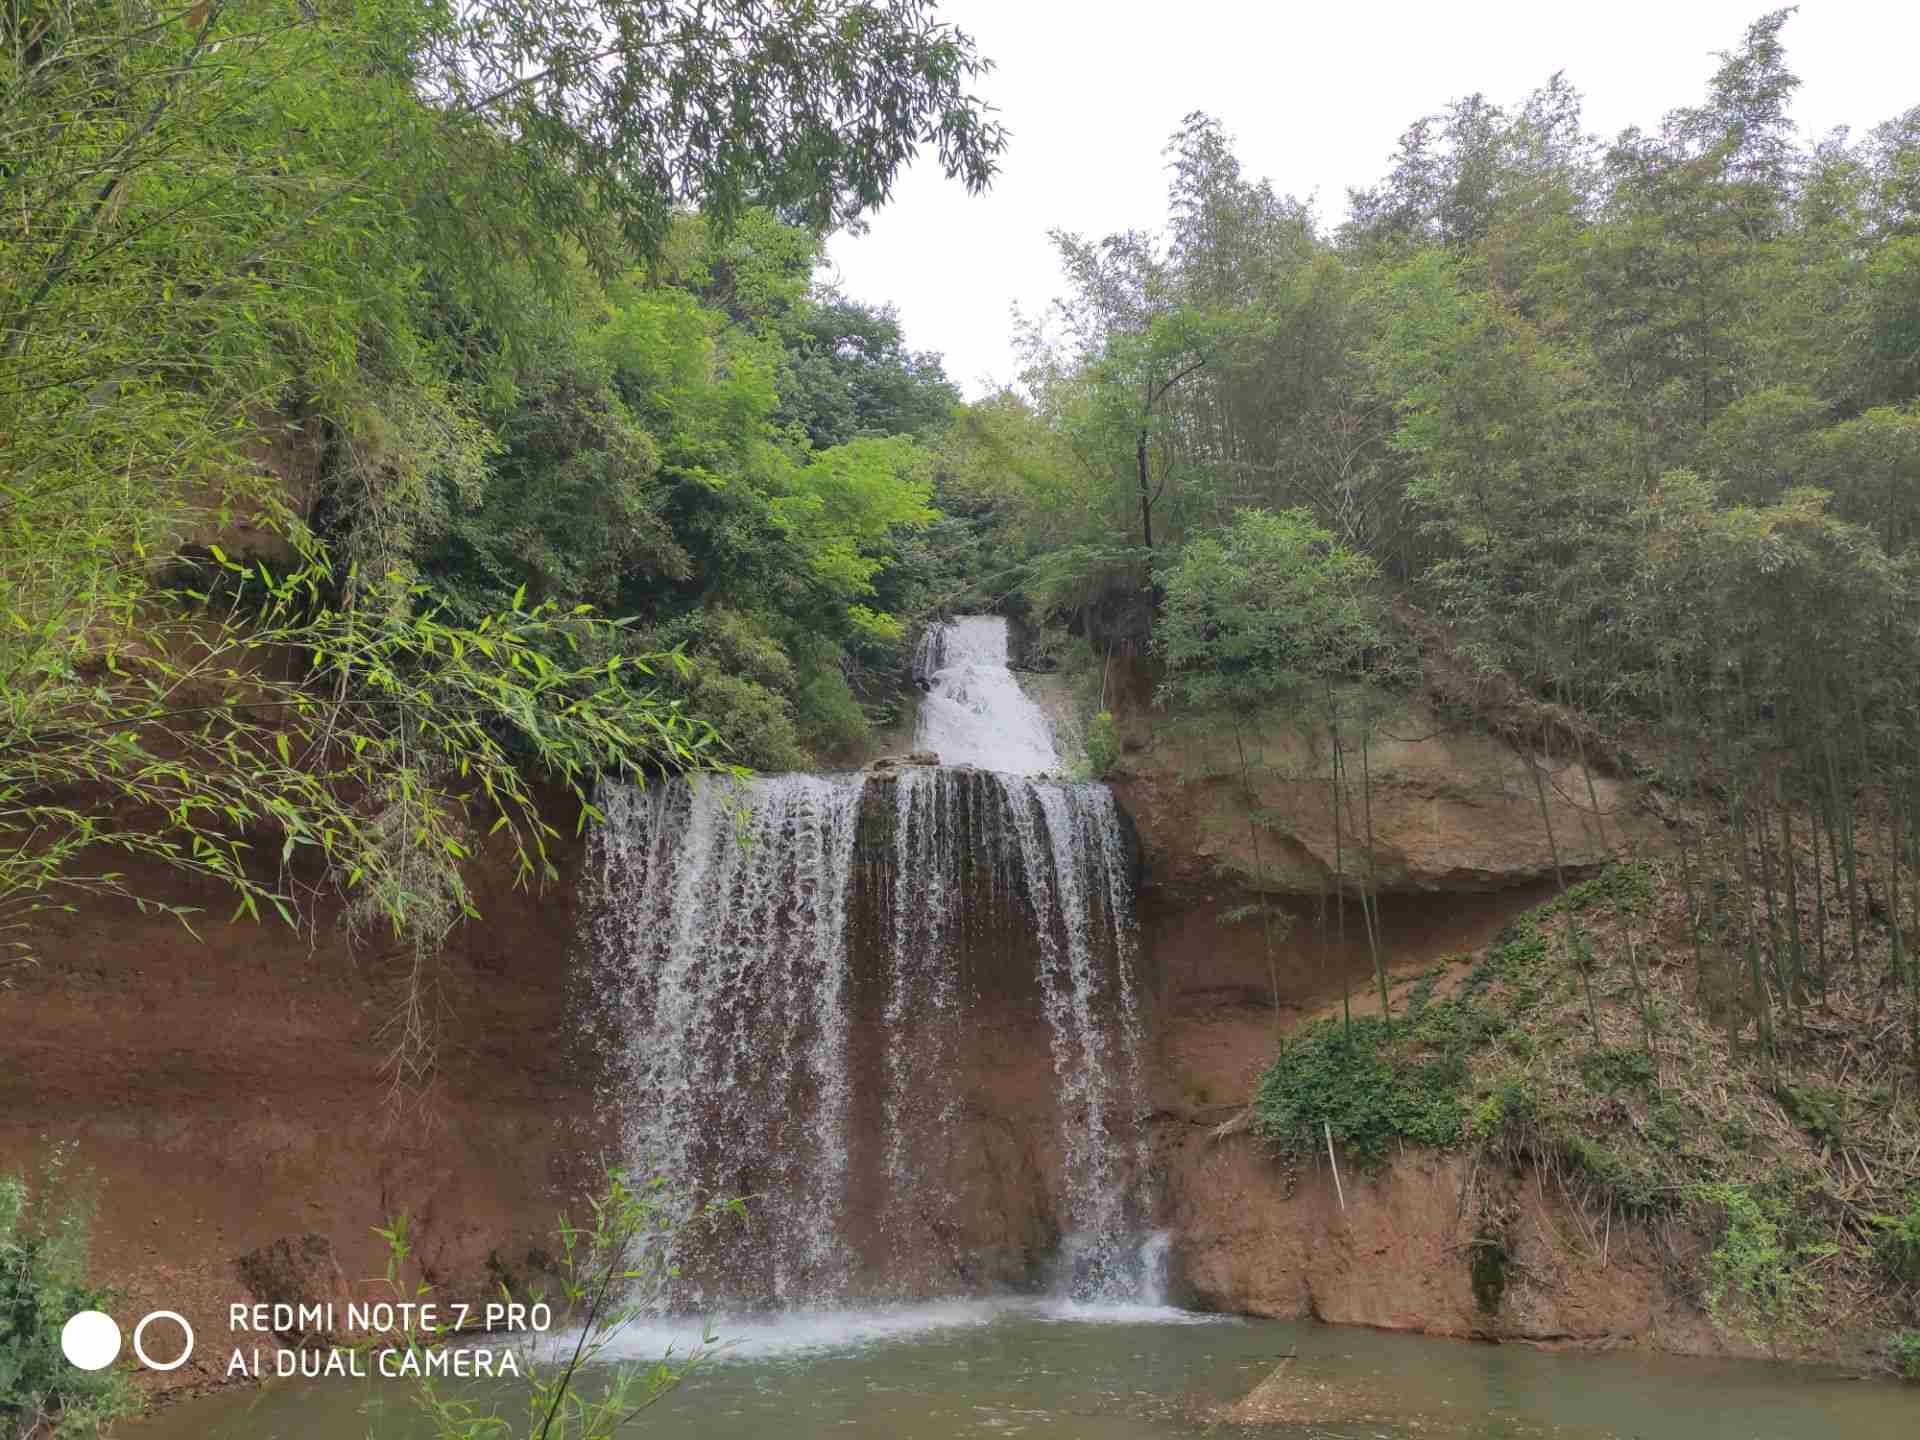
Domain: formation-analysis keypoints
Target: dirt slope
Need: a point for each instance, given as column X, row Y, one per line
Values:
column 227, row 1092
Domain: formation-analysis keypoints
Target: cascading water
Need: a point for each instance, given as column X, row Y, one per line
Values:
column 1086, row 982
column 720, row 927
column 794, row 972
column 975, row 712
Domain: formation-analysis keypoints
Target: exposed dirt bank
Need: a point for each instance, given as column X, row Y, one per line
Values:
column 227, row 1093
column 1397, row 1251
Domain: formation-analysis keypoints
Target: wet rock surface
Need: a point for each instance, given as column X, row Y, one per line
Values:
column 301, row 1272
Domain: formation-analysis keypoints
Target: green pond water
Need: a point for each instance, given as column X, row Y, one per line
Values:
column 1130, row 1373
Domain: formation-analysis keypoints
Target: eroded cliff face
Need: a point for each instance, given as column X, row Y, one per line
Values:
column 1398, row 1250
column 1447, row 810
column 228, row 1091
column 1431, row 1242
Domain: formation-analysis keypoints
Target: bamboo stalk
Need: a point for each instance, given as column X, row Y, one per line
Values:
column 1337, row 1188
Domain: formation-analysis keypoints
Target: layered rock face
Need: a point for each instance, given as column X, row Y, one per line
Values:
column 1446, row 811
column 243, row 1068
column 1461, row 848
column 1398, row 1251
column 224, row 1105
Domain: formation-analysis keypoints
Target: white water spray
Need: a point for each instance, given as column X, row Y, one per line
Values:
column 975, row 712
column 788, row 970
column 721, row 925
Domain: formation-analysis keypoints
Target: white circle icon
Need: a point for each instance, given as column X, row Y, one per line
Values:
column 140, row 1329
column 90, row 1340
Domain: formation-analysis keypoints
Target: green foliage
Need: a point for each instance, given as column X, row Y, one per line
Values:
column 1627, row 886
column 1622, row 436
column 810, row 548
column 1903, row 1350
column 1627, row 429
column 612, row 1270
column 1445, row 1072
column 1275, row 922
column 1489, row 1275
column 1520, row 956
column 1506, row 1118
column 377, row 737
column 1368, row 1085
column 850, row 375
column 849, row 500
column 1820, row 1110
column 1103, row 745
column 1495, row 1066
column 570, row 507
column 1268, row 607
column 1606, row 1071
column 43, row 1281
column 461, row 329
column 1756, row 1278
column 1622, row 1178
column 1896, row 1246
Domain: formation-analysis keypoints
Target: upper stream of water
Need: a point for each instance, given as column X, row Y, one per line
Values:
column 974, row 711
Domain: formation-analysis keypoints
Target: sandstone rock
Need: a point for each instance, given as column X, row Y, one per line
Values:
column 1449, row 811
column 299, row 1271
column 915, row 757
column 1393, row 1251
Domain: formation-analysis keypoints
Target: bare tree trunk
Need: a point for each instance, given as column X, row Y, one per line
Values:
column 1339, row 874
column 1796, row 949
column 1819, row 897
column 1762, row 1004
column 1844, row 851
column 1146, row 492
column 1259, row 874
column 1640, row 990
column 1570, row 932
column 1373, row 885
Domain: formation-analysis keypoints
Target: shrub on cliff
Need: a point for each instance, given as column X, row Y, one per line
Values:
column 1756, row 1274
column 1367, row 1085
column 1103, row 745
column 1903, row 1352
column 43, row 1281
column 1897, row 1245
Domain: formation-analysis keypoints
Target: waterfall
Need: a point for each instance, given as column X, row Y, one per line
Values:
column 719, row 914
column 975, row 712
column 794, row 975
column 1070, row 843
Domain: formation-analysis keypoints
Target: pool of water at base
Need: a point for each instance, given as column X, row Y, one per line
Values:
column 986, row 1369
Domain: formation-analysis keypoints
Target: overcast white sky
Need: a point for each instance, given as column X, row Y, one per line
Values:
column 1315, row 97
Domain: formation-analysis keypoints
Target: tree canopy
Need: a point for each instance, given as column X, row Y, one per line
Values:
column 408, row 407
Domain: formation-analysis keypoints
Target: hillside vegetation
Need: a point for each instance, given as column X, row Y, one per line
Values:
column 404, row 408
column 1611, row 447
